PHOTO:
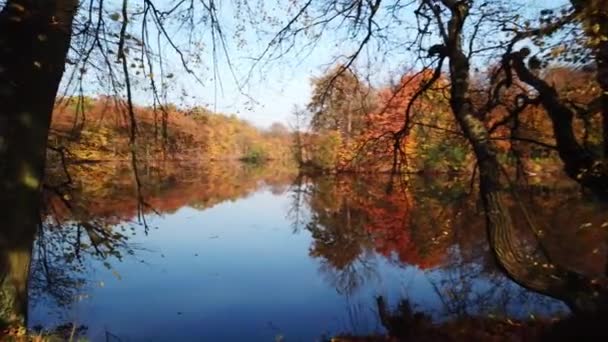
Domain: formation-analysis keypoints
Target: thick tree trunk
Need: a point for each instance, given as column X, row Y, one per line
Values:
column 34, row 42
column 538, row 275
column 15, row 256
column 575, row 290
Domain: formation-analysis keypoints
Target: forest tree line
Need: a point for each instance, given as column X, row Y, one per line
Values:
column 351, row 123
column 347, row 125
column 97, row 129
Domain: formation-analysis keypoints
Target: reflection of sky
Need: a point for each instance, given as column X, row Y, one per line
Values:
column 237, row 272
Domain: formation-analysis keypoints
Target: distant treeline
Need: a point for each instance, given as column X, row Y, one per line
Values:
column 104, row 191
column 99, row 129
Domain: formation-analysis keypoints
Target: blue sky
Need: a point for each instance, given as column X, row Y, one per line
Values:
column 270, row 93
column 277, row 88
column 273, row 89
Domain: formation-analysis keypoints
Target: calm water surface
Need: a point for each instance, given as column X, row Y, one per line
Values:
column 258, row 258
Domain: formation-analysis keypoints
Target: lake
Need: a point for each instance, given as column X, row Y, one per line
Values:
column 236, row 253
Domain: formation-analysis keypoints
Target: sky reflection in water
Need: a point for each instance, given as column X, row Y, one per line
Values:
column 240, row 270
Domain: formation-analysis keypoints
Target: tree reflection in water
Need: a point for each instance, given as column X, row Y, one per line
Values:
column 434, row 225
column 92, row 220
column 437, row 227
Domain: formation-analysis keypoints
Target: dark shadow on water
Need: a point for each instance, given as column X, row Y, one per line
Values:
column 403, row 323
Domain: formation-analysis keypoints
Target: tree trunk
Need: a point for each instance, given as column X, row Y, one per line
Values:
column 34, row 42
column 575, row 290
column 536, row 274
column 15, row 256
column 299, row 149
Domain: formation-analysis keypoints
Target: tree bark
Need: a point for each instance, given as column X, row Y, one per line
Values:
column 15, row 257
column 575, row 290
column 34, row 42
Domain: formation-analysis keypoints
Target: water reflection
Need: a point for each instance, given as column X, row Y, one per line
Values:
column 219, row 241
column 354, row 219
column 439, row 228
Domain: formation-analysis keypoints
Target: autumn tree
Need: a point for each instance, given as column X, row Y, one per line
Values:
column 98, row 44
column 451, row 39
column 75, row 46
column 450, row 19
column 338, row 107
column 425, row 138
column 583, row 35
column 299, row 144
column 339, row 102
column 34, row 41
